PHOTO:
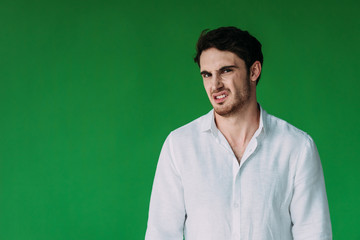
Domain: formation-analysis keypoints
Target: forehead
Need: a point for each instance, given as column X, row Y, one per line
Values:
column 214, row 59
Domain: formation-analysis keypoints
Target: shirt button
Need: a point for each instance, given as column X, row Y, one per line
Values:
column 236, row 205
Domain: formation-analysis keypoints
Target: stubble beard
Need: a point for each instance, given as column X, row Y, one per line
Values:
column 240, row 99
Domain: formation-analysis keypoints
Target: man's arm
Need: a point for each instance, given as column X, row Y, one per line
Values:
column 167, row 210
column 309, row 206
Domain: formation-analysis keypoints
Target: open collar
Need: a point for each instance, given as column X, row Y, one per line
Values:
column 208, row 123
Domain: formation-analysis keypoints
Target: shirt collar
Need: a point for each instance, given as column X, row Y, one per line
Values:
column 208, row 123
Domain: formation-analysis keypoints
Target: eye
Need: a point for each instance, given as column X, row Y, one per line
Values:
column 206, row 75
column 227, row 70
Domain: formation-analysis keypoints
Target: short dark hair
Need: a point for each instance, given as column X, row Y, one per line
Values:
column 231, row 39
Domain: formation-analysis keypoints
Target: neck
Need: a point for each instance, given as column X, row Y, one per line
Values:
column 239, row 128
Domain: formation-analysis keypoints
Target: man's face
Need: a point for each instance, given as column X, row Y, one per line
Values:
column 226, row 81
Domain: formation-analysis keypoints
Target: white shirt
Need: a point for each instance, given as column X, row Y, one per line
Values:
column 201, row 192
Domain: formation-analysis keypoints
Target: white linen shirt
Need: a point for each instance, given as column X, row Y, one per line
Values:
column 201, row 192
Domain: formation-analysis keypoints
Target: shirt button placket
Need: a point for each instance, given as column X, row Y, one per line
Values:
column 236, row 208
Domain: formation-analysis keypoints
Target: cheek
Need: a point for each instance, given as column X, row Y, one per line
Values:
column 207, row 87
column 208, row 92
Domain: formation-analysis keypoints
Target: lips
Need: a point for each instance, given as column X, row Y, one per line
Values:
column 220, row 96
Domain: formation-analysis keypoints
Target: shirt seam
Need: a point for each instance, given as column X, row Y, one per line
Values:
column 173, row 156
column 307, row 143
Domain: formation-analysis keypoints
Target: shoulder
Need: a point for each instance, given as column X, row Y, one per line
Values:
column 184, row 142
column 192, row 129
column 279, row 128
column 295, row 146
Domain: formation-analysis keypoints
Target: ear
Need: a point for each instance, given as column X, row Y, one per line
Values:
column 255, row 71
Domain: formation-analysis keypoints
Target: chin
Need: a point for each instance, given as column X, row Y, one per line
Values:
column 226, row 111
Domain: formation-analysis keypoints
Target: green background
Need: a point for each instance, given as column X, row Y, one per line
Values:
column 89, row 91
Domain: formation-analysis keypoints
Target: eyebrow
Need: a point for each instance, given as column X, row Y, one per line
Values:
column 230, row 66
column 204, row 72
column 222, row 68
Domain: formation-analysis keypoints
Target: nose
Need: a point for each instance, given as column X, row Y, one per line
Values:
column 216, row 82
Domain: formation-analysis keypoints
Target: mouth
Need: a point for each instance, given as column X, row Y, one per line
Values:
column 220, row 97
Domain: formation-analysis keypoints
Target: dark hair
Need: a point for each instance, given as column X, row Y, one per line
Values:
column 231, row 39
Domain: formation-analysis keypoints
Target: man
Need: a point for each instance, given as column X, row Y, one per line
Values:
column 237, row 172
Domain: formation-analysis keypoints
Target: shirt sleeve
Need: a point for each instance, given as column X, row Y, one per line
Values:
column 167, row 208
column 309, row 206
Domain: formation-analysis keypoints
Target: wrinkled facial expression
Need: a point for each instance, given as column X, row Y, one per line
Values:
column 226, row 81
